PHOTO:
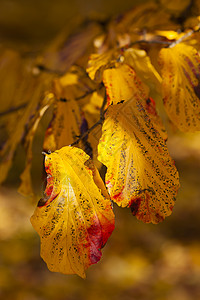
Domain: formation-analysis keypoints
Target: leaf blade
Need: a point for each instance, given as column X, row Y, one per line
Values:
column 79, row 210
column 146, row 179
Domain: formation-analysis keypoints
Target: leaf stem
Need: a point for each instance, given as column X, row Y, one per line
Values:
column 185, row 36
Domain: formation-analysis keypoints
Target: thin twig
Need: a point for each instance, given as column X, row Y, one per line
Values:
column 185, row 36
column 149, row 42
column 13, row 109
column 89, row 92
column 99, row 122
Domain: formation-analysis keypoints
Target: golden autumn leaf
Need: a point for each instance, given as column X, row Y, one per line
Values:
column 24, row 95
column 64, row 127
column 99, row 62
column 140, row 172
column 95, row 102
column 26, row 182
column 74, row 84
column 181, row 85
column 75, row 218
column 122, row 84
column 141, row 63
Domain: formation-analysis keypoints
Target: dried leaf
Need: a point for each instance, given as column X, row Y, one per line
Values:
column 181, row 86
column 75, row 219
column 140, row 172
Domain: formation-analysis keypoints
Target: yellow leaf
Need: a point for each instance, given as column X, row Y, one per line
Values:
column 64, row 127
column 26, row 182
column 122, row 84
column 75, row 218
column 95, row 102
column 181, row 86
column 99, row 62
column 30, row 89
column 73, row 85
column 140, row 172
column 169, row 34
column 140, row 62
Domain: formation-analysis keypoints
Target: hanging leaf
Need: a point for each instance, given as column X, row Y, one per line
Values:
column 31, row 88
column 75, row 84
column 140, row 172
column 140, row 62
column 26, row 182
column 64, row 127
column 181, row 86
column 122, row 84
column 75, row 218
column 99, row 62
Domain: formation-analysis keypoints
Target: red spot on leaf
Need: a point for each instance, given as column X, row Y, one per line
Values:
column 135, row 205
column 159, row 218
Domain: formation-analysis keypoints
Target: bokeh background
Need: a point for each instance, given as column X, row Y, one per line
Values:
column 140, row 261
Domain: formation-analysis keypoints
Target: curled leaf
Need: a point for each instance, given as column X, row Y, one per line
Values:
column 75, row 219
column 181, row 86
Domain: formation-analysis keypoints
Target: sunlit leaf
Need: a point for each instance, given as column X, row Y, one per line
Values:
column 75, row 218
column 140, row 172
column 75, row 84
column 99, row 62
column 140, row 62
column 95, row 102
column 169, row 34
column 181, row 86
column 122, row 84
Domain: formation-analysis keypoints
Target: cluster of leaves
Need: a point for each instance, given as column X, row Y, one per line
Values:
column 108, row 77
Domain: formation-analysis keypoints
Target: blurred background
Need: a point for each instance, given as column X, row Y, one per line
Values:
column 140, row 261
